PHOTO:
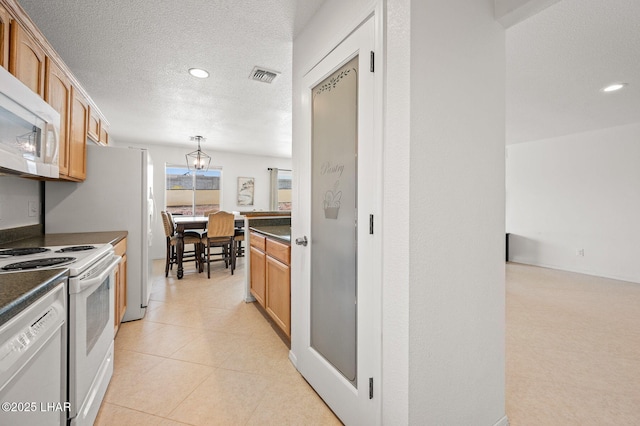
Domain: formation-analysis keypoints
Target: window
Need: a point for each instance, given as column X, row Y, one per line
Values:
column 280, row 189
column 192, row 193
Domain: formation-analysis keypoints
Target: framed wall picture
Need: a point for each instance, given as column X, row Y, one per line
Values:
column 245, row 191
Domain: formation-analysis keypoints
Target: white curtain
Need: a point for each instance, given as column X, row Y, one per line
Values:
column 273, row 191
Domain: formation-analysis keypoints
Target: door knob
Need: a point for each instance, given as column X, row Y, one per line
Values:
column 302, row 241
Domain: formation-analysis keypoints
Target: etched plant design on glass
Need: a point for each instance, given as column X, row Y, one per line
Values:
column 332, row 202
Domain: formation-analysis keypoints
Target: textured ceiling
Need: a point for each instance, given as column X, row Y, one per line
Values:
column 133, row 56
column 559, row 59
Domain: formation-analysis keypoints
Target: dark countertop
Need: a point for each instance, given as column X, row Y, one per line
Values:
column 266, row 213
column 69, row 239
column 279, row 232
column 18, row 290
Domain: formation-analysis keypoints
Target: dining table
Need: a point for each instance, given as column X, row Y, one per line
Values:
column 184, row 223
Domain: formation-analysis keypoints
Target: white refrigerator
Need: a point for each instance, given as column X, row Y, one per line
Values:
column 117, row 195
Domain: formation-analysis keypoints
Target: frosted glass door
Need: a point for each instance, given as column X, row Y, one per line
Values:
column 333, row 218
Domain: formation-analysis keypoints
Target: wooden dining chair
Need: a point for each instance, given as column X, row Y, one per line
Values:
column 220, row 233
column 172, row 243
column 238, row 239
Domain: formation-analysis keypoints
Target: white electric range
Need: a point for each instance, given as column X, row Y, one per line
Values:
column 90, row 317
column 77, row 258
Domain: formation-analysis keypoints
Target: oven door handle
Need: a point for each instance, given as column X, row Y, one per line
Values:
column 82, row 285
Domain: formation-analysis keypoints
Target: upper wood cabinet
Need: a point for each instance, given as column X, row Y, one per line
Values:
column 27, row 59
column 5, row 24
column 58, row 95
column 78, row 136
column 104, row 135
column 97, row 128
column 94, row 125
column 27, row 54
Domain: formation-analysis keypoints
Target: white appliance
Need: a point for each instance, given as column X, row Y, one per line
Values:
column 29, row 130
column 90, row 322
column 33, row 362
column 117, row 195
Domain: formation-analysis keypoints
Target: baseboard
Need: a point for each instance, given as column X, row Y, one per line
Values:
column 574, row 270
column 502, row 422
column 293, row 359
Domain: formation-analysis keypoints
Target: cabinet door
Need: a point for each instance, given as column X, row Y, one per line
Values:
column 117, row 277
column 279, row 293
column 78, row 136
column 26, row 59
column 121, row 301
column 58, row 95
column 104, row 135
column 4, row 37
column 94, row 126
column 258, row 275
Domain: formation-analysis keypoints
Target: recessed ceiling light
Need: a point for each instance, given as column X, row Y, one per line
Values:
column 198, row 72
column 613, row 87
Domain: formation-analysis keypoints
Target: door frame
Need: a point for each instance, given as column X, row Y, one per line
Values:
column 301, row 225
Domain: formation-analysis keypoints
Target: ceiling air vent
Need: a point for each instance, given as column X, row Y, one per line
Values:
column 260, row 74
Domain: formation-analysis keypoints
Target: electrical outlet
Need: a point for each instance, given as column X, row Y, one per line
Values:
column 33, row 208
column 580, row 252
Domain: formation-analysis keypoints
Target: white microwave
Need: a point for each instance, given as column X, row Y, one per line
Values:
column 29, row 131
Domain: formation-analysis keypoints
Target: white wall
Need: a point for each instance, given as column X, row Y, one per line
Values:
column 396, row 215
column 233, row 166
column 575, row 192
column 15, row 195
column 456, row 311
column 443, row 291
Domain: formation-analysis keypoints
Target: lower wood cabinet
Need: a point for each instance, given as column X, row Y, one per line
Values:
column 258, row 276
column 279, row 293
column 270, row 278
column 120, row 283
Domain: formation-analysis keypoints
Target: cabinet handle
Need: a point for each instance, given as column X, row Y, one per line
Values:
column 302, row 241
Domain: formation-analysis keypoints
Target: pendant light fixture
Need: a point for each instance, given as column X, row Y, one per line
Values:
column 198, row 160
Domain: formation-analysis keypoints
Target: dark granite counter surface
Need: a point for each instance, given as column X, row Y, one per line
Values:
column 279, row 232
column 271, row 213
column 18, row 290
column 68, row 239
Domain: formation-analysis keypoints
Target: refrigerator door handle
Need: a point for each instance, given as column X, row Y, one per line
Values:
column 151, row 205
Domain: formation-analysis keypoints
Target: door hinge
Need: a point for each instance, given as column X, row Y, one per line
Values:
column 370, row 387
column 371, row 224
column 372, row 60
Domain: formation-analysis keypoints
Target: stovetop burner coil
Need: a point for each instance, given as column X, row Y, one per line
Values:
column 38, row 263
column 23, row 251
column 75, row 248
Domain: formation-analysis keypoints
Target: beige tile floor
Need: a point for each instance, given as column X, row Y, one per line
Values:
column 572, row 349
column 202, row 356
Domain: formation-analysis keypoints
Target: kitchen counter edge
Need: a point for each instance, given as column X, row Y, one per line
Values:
column 281, row 233
column 18, row 290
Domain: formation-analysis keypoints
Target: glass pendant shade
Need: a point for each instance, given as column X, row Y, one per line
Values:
column 198, row 160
